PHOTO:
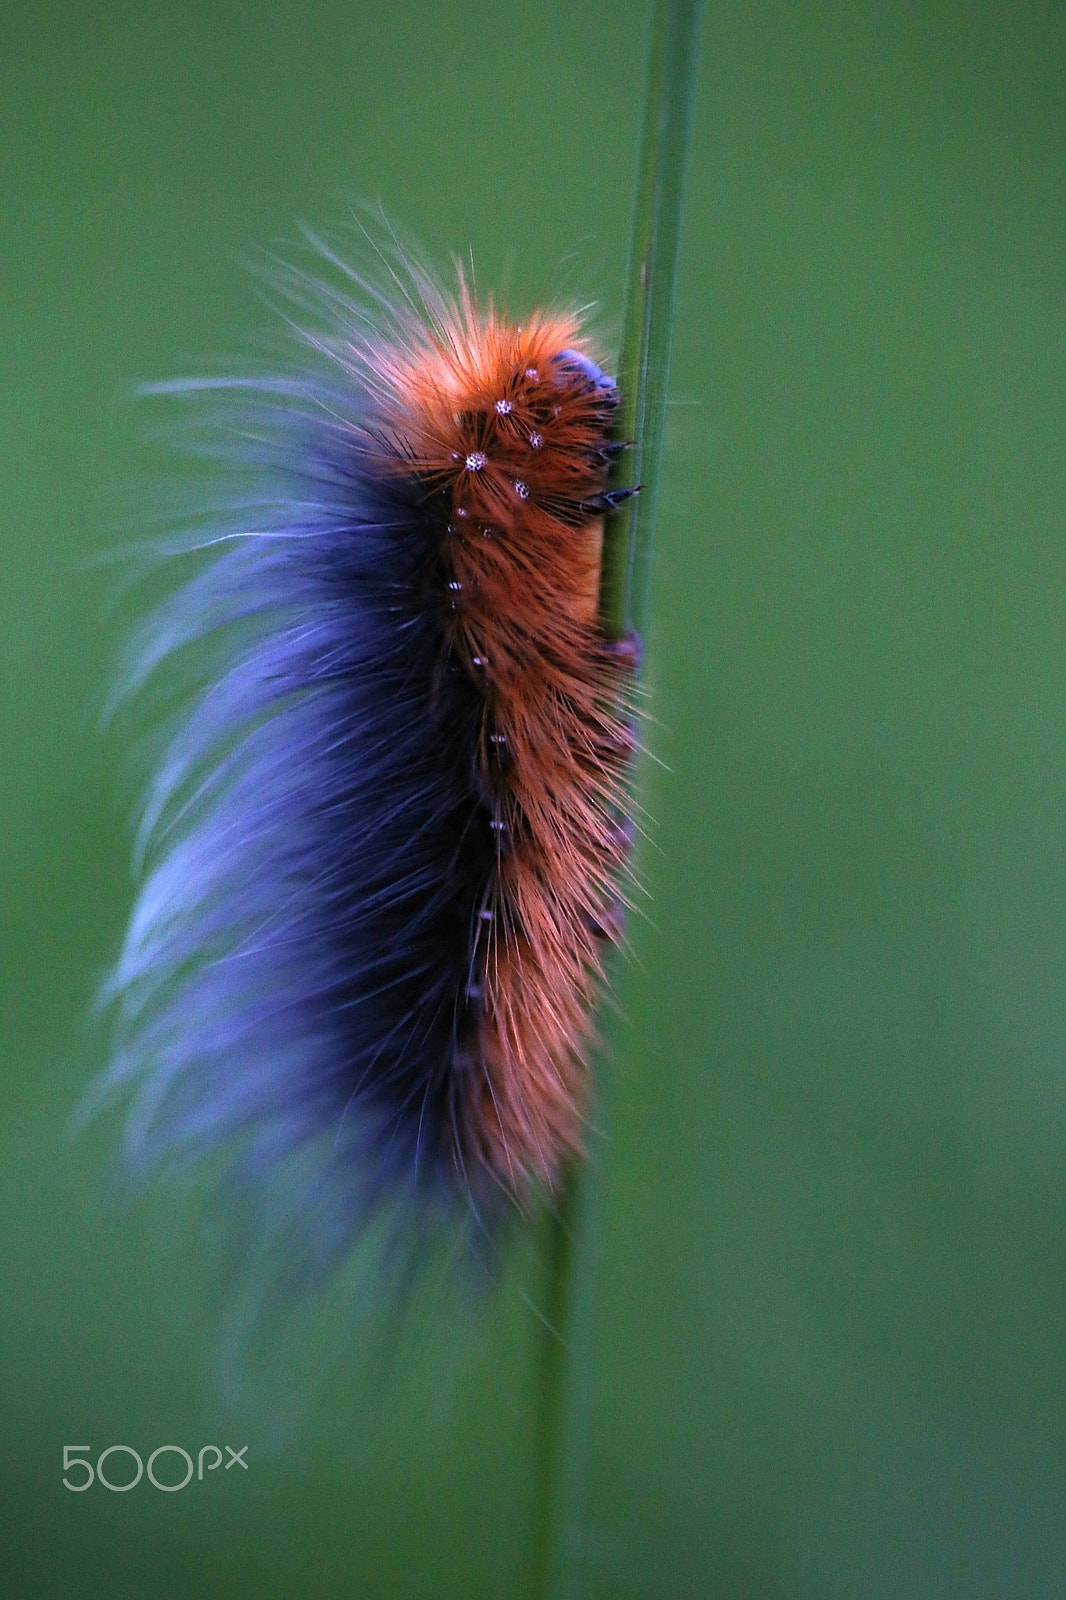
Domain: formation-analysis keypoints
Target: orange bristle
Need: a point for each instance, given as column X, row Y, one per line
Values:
column 509, row 434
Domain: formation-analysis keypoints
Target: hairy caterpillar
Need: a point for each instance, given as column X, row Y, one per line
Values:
column 386, row 838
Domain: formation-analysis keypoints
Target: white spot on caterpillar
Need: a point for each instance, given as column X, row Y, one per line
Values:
column 476, row 460
column 504, row 408
column 521, row 489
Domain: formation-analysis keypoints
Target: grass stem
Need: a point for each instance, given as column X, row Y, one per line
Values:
column 572, row 1228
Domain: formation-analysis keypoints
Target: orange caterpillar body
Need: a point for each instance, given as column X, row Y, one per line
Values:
column 510, row 427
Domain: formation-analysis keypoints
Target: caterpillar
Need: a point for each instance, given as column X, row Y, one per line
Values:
column 386, row 843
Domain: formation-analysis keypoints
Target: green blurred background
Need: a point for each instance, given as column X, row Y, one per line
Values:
column 832, row 1329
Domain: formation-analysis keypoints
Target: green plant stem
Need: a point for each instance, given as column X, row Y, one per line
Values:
column 572, row 1228
column 644, row 369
